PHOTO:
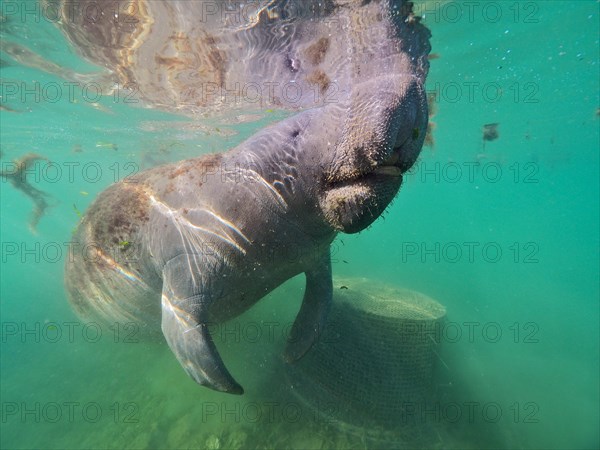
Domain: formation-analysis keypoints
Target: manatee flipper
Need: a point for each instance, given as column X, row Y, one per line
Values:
column 183, row 307
column 312, row 316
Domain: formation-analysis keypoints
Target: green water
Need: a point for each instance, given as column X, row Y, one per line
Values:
column 504, row 235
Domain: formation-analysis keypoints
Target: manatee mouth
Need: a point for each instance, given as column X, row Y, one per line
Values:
column 391, row 167
column 352, row 203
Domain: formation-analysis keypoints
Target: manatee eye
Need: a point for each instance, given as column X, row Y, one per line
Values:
column 415, row 134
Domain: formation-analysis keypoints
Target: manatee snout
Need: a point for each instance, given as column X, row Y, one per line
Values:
column 360, row 189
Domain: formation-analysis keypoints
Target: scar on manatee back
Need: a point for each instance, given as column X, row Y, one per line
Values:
column 317, row 51
column 203, row 166
column 319, row 78
column 209, row 62
column 217, row 59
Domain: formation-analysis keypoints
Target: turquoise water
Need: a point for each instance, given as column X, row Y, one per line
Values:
column 504, row 235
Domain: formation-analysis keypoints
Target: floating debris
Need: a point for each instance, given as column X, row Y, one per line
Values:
column 77, row 148
column 76, row 210
column 17, row 177
column 108, row 145
column 490, row 132
column 84, row 193
column 433, row 56
column 343, row 287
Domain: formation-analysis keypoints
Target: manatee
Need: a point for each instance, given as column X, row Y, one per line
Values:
column 205, row 58
column 184, row 245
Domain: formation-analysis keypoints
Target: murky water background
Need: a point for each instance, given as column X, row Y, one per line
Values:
column 505, row 235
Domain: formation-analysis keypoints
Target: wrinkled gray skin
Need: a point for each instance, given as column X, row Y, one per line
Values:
column 211, row 236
